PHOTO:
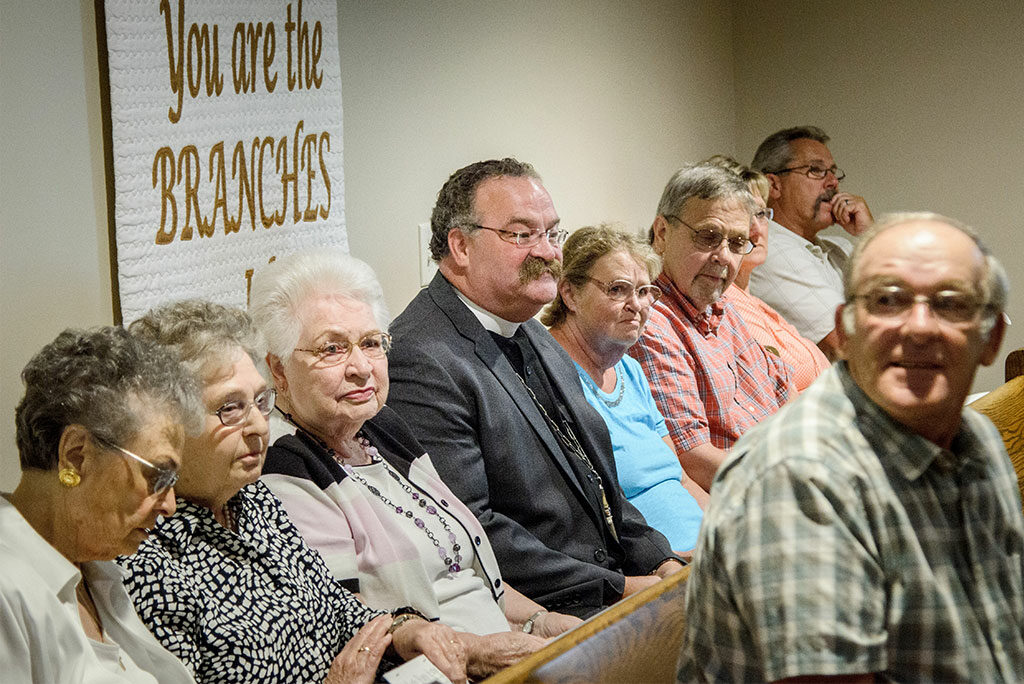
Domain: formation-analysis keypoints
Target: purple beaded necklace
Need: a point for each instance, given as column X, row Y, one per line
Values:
column 453, row 561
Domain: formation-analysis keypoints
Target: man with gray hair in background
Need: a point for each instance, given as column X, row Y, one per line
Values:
column 872, row 530
column 710, row 378
column 802, row 276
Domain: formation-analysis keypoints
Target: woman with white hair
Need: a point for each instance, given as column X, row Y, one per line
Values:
column 354, row 479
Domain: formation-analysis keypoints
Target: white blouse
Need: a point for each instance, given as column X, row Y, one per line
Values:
column 41, row 635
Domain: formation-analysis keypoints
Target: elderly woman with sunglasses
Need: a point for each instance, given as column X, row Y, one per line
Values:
column 354, row 479
column 228, row 585
column 100, row 431
column 604, row 299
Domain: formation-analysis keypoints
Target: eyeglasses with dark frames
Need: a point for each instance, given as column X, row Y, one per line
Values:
column 237, row 412
column 709, row 239
column 554, row 236
column 374, row 345
column 621, row 290
column 159, row 479
column 814, row 171
column 895, row 302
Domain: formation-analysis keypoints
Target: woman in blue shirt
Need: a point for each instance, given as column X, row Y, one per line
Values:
column 604, row 300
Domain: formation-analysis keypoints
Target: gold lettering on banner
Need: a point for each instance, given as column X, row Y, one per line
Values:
column 325, row 138
column 245, row 43
column 248, row 280
column 165, row 160
column 212, row 201
column 293, row 160
column 305, row 75
column 203, row 64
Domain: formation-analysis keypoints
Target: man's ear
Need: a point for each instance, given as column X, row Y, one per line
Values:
column 658, row 229
column 990, row 350
column 775, row 187
column 845, row 323
column 458, row 247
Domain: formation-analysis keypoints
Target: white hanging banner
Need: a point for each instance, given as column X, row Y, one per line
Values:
column 226, row 142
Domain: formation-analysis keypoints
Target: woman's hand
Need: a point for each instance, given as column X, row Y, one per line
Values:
column 357, row 663
column 438, row 642
column 489, row 653
column 550, row 625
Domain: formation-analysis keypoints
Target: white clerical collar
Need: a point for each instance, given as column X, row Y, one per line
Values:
column 491, row 322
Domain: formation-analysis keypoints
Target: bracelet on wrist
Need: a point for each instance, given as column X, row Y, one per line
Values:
column 402, row 615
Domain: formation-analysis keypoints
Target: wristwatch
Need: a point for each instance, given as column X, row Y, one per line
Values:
column 530, row 621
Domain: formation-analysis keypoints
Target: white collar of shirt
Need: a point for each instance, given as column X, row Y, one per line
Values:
column 491, row 322
column 55, row 571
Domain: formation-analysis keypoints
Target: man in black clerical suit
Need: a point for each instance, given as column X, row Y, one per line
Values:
column 498, row 404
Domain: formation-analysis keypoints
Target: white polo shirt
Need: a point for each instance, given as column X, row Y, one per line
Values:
column 41, row 635
column 802, row 280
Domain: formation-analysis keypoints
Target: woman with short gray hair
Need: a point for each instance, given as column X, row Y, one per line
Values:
column 228, row 585
column 99, row 432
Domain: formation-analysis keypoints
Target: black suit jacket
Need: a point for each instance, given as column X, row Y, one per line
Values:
column 487, row 439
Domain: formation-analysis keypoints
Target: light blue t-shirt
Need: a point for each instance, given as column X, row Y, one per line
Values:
column 649, row 471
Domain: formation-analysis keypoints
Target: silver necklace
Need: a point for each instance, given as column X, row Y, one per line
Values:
column 569, row 440
column 600, row 395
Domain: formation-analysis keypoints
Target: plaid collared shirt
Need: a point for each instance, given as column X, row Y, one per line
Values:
column 710, row 378
column 839, row 542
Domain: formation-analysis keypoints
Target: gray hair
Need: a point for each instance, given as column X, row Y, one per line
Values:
column 106, row 380
column 775, row 152
column 994, row 284
column 203, row 334
column 756, row 181
column 280, row 288
column 455, row 201
column 702, row 181
column 583, row 249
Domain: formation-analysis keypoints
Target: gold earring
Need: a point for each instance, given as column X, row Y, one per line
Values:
column 69, row 477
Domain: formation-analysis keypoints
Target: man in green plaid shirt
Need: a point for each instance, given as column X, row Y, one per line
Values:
column 872, row 529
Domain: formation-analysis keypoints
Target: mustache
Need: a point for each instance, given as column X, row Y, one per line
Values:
column 715, row 272
column 824, row 197
column 534, row 267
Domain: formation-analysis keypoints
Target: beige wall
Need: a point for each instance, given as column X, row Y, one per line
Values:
column 924, row 102
column 605, row 98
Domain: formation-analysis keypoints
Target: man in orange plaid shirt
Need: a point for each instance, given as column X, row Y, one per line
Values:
column 710, row 378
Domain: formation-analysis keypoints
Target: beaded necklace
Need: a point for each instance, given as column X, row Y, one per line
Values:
column 600, row 395
column 454, row 561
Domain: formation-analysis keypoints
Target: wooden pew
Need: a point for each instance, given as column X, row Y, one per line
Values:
column 636, row 640
column 1005, row 407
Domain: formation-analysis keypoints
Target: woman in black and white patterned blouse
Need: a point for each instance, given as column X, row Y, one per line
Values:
column 228, row 585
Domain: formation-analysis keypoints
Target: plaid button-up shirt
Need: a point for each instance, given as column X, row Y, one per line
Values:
column 839, row 542
column 710, row 378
